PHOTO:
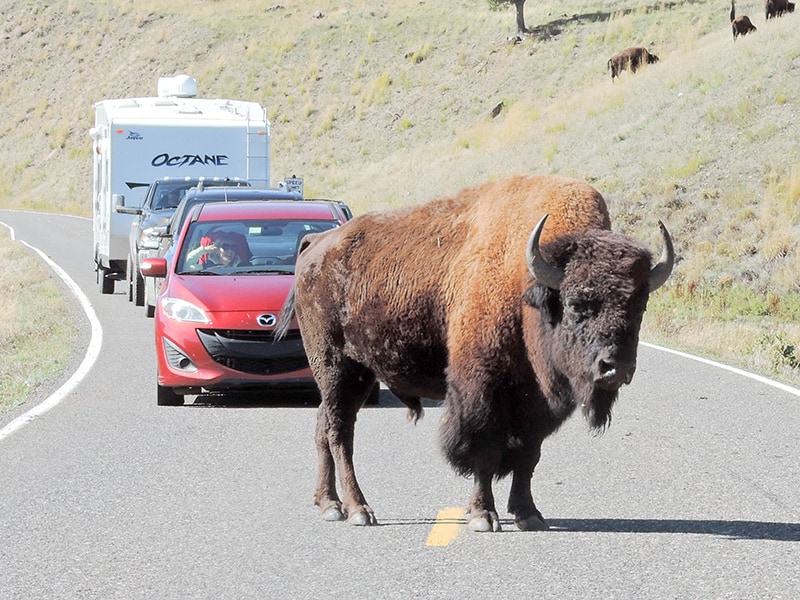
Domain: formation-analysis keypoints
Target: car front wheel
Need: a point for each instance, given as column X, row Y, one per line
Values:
column 168, row 397
column 374, row 397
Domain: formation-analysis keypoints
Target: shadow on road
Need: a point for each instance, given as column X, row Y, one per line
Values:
column 741, row 530
column 285, row 398
column 748, row 530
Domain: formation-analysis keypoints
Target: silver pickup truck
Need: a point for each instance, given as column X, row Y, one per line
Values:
column 162, row 198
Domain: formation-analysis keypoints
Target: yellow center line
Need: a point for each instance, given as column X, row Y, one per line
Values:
column 448, row 523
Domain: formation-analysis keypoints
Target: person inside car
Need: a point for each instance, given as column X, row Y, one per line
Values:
column 225, row 249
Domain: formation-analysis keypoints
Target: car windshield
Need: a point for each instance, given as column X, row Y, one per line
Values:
column 244, row 247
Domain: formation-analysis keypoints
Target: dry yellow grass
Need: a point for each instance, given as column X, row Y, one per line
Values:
column 36, row 341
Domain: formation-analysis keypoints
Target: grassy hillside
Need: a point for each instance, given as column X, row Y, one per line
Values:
column 388, row 103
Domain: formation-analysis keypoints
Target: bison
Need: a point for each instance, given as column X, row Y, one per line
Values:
column 776, row 8
column 512, row 301
column 630, row 58
column 740, row 25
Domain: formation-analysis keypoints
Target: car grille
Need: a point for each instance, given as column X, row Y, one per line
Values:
column 254, row 352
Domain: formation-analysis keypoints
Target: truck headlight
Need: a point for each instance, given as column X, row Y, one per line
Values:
column 150, row 238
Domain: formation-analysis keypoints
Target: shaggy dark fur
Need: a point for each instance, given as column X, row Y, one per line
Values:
column 740, row 25
column 630, row 58
column 437, row 301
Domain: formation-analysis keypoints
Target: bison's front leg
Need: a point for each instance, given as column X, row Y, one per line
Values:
column 334, row 438
column 520, row 500
column 481, row 512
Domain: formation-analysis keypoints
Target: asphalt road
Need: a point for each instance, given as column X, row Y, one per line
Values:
column 692, row 492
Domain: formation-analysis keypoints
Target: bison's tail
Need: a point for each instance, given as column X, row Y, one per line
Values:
column 286, row 316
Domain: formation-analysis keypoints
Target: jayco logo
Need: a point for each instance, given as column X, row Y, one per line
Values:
column 187, row 160
column 134, row 135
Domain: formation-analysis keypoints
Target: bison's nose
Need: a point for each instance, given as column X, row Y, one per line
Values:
column 611, row 372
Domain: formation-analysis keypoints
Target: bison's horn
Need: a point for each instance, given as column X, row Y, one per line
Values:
column 545, row 273
column 662, row 270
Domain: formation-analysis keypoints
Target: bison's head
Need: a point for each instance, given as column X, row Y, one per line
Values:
column 591, row 293
column 651, row 58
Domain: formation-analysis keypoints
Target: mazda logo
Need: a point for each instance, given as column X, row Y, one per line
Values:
column 267, row 320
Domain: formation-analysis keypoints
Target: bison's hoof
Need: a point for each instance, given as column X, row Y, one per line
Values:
column 532, row 523
column 362, row 519
column 483, row 524
column 332, row 513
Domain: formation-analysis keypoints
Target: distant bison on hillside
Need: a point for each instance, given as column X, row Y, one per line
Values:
column 631, row 59
column 776, row 8
column 742, row 26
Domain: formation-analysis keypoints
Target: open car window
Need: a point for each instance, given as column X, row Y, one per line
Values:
column 260, row 246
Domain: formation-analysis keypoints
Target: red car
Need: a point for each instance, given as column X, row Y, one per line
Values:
column 222, row 292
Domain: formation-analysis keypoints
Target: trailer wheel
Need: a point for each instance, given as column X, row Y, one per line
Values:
column 168, row 397
column 105, row 282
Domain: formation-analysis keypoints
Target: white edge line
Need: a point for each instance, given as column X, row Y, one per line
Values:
column 761, row 379
column 92, row 352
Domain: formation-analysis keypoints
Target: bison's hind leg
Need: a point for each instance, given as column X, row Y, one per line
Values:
column 326, row 497
column 344, row 390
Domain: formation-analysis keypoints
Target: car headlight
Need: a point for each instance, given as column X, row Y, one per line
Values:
column 181, row 310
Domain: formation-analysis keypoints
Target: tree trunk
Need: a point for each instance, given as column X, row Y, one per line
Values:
column 520, row 6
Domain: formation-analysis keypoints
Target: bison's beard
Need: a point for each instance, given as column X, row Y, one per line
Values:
column 597, row 408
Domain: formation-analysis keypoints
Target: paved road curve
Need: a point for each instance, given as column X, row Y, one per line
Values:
column 692, row 493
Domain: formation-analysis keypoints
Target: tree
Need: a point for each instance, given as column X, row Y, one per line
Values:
column 519, row 5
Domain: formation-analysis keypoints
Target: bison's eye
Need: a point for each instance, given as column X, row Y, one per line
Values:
column 581, row 308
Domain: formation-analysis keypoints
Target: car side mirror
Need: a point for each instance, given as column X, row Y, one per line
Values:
column 153, row 267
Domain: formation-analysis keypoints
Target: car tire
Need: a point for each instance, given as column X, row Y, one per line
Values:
column 149, row 309
column 168, row 397
column 104, row 282
column 374, row 397
column 138, row 287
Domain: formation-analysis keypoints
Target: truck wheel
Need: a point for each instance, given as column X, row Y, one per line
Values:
column 168, row 397
column 138, row 288
column 129, row 277
column 105, row 282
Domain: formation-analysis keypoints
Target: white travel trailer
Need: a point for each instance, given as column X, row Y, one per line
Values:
column 138, row 140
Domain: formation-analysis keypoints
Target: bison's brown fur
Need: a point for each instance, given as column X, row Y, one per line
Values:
column 740, row 25
column 630, row 58
column 776, row 8
column 438, row 301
